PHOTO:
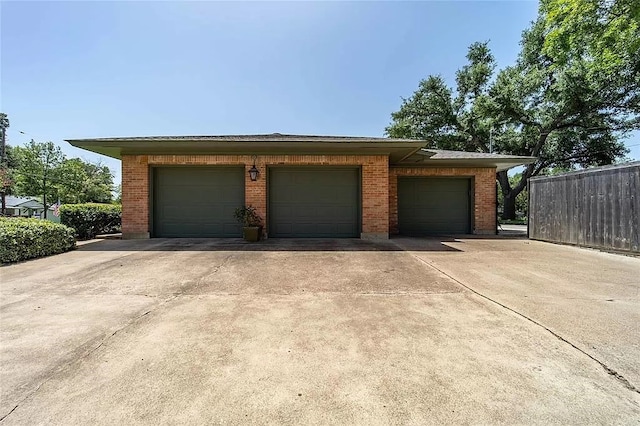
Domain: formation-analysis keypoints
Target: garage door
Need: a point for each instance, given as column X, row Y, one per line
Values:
column 428, row 206
column 314, row 202
column 197, row 201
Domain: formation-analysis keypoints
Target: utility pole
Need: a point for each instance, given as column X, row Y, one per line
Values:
column 4, row 176
column 45, row 170
column 3, row 153
column 491, row 140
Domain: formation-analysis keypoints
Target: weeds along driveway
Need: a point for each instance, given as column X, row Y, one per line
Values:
column 287, row 331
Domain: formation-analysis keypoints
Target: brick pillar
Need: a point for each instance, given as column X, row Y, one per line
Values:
column 135, row 196
column 393, row 202
column 375, row 198
column 485, row 201
column 255, row 193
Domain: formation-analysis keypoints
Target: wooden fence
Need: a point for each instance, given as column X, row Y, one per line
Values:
column 596, row 207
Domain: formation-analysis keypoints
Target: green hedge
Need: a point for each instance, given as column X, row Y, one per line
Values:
column 23, row 238
column 91, row 219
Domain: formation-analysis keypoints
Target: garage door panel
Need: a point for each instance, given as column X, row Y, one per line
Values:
column 314, row 202
column 197, row 201
column 429, row 206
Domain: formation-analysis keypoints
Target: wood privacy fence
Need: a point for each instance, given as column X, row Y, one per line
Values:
column 595, row 208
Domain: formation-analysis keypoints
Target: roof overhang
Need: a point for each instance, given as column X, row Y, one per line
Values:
column 427, row 158
column 401, row 152
column 397, row 150
column 31, row 204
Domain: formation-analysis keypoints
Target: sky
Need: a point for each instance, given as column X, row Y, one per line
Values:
column 83, row 69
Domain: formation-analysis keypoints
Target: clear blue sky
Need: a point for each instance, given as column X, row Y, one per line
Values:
column 97, row 69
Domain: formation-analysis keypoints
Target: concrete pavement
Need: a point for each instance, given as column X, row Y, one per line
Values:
column 313, row 331
column 589, row 297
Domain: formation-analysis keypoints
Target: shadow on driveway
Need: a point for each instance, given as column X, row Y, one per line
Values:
column 439, row 244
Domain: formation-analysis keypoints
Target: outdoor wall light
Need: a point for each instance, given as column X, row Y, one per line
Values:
column 253, row 171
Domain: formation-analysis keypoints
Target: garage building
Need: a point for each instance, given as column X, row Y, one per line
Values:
column 302, row 186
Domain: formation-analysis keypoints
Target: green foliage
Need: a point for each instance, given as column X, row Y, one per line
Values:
column 521, row 201
column 6, row 174
column 117, row 192
column 247, row 216
column 41, row 169
column 569, row 100
column 450, row 120
column 37, row 163
column 605, row 31
column 4, row 121
column 81, row 182
column 22, row 238
column 521, row 221
column 91, row 219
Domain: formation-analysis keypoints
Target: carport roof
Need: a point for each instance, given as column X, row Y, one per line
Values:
column 400, row 151
column 445, row 158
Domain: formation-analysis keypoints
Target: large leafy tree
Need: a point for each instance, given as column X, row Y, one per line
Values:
column 79, row 181
column 43, row 170
column 36, row 172
column 569, row 100
column 451, row 119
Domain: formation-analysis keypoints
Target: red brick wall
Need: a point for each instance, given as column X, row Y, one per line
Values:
column 135, row 184
column 135, row 196
column 484, row 179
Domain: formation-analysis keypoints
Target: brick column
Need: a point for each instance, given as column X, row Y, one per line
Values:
column 393, row 202
column 485, row 201
column 375, row 198
column 255, row 193
column 135, row 196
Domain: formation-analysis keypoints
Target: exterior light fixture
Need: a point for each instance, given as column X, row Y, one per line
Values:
column 253, row 171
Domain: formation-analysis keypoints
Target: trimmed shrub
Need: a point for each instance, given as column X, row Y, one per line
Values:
column 91, row 219
column 24, row 238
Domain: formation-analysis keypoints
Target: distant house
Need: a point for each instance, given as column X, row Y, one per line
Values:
column 23, row 206
column 28, row 207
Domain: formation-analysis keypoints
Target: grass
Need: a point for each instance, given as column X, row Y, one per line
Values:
column 522, row 221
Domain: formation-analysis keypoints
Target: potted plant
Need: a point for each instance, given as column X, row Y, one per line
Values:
column 251, row 222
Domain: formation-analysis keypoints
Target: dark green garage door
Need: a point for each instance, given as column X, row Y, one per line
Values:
column 428, row 206
column 314, row 202
column 197, row 201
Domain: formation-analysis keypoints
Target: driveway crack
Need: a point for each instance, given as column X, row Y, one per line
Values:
column 74, row 361
column 64, row 367
column 619, row 377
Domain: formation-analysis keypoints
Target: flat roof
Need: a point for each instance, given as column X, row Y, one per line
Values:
column 427, row 157
column 400, row 151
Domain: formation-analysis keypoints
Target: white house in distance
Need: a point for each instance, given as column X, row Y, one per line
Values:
column 27, row 207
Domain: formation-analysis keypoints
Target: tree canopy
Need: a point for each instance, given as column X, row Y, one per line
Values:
column 42, row 169
column 569, row 100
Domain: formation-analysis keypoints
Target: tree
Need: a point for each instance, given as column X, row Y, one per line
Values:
column 37, row 164
column 42, row 169
column 448, row 120
column 5, row 175
column 79, row 181
column 605, row 31
column 569, row 100
column 522, row 199
column 117, row 191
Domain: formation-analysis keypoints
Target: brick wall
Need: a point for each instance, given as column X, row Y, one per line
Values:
column 484, row 181
column 135, row 196
column 375, row 187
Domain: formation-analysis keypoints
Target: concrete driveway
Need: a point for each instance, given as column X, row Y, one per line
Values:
column 411, row 331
